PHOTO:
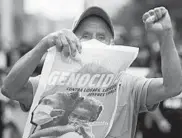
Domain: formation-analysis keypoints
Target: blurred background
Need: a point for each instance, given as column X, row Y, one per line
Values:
column 23, row 23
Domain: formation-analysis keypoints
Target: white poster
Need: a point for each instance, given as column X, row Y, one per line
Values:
column 79, row 91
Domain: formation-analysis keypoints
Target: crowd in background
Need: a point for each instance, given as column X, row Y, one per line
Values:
column 166, row 121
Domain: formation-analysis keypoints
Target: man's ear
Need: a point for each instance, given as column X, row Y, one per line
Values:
column 112, row 42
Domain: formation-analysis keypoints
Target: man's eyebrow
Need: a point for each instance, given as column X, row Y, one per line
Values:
column 101, row 33
column 86, row 32
column 47, row 99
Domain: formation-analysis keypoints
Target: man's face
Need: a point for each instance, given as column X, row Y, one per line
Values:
column 56, row 106
column 94, row 28
column 81, row 114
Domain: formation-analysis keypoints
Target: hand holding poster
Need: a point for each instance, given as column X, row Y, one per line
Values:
column 78, row 95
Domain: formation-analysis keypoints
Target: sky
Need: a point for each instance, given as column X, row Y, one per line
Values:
column 56, row 9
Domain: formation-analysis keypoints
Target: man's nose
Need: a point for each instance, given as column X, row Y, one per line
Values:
column 94, row 36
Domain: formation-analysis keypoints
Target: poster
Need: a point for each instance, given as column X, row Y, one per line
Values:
column 79, row 91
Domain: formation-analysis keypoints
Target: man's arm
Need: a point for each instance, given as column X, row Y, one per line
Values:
column 158, row 21
column 17, row 85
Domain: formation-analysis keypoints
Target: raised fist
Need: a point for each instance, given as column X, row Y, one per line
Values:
column 158, row 21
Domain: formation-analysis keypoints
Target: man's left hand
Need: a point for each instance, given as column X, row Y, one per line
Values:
column 158, row 21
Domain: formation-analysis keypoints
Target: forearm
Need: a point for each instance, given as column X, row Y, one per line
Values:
column 22, row 70
column 171, row 67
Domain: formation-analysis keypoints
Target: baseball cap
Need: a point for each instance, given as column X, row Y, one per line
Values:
column 97, row 11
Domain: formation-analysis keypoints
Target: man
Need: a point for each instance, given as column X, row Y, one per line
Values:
column 87, row 111
column 54, row 109
column 135, row 94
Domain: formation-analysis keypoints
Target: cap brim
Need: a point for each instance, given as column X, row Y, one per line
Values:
column 94, row 11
